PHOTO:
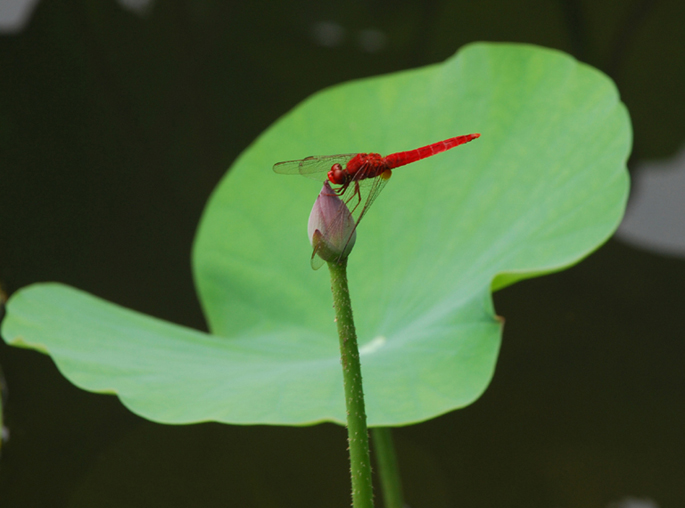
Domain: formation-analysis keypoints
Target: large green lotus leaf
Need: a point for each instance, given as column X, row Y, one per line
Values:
column 544, row 186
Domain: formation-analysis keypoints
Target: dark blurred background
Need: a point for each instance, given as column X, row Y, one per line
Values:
column 117, row 119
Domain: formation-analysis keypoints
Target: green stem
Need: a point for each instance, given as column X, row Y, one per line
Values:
column 388, row 468
column 357, row 432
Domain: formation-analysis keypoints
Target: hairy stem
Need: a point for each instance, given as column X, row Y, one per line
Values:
column 357, row 432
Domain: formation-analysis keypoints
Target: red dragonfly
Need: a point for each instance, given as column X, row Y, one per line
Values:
column 367, row 173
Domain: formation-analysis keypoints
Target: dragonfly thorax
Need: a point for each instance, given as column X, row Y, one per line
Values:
column 361, row 166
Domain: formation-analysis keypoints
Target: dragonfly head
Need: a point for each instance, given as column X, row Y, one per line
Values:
column 337, row 174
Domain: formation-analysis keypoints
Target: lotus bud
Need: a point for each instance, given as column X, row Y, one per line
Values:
column 331, row 226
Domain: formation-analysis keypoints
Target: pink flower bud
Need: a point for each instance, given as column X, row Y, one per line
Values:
column 331, row 227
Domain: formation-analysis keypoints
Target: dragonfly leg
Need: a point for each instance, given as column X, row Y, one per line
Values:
column 357, row 193
column 341, row 190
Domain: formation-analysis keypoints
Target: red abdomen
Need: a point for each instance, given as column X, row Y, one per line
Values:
column 401, row 158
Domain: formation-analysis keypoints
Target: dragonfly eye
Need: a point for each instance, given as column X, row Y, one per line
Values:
column 336, row 174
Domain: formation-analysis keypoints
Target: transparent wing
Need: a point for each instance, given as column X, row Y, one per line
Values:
column 312, row 167
column 371, row 189
column 359, row 197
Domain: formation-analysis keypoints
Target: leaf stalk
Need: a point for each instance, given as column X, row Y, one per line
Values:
column 388, row 468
